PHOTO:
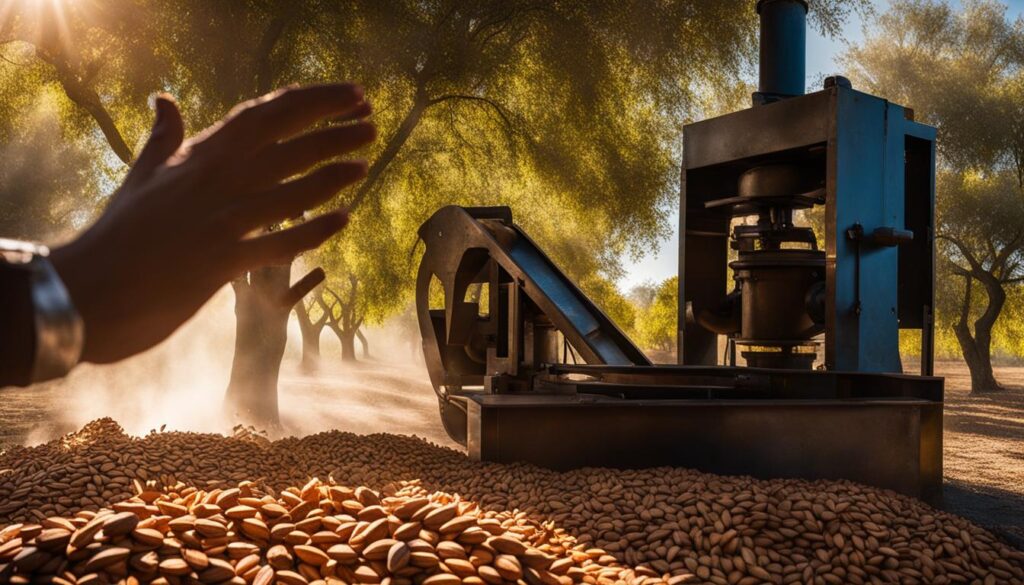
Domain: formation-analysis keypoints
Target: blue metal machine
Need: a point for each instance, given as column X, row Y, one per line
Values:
column 789, row 361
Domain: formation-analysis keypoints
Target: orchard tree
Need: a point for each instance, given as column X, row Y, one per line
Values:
column 962, row 72
column 313, row 313
column 656, row 323
column 347, row 316
column 981, row 235
column 366, row 275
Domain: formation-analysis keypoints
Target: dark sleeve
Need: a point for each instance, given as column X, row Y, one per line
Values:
column 17, row 327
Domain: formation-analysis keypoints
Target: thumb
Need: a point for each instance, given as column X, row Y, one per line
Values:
column 165, row 138
column 302, row 287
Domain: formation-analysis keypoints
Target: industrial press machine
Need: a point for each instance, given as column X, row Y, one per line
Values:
column 788, row 346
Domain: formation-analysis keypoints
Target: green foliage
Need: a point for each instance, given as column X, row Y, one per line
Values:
column 981, row 222
column 366, row 250
column 568, row 112
column 610, row 300
column 983, row 213
column 1008, row 336
column 47, row 184
column 960, row 71
column 656, row 325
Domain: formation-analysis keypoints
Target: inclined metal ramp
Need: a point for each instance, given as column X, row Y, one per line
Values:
column 530, row 301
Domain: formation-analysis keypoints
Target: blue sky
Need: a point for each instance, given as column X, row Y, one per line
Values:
column 821, row 60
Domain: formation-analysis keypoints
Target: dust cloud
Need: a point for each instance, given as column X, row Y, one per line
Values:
column 43, row 177
column 387, row 391
column 179, row 385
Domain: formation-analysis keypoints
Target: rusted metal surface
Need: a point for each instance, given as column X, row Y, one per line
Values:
column 895, row 444
column 880, row 429
column 529, row 302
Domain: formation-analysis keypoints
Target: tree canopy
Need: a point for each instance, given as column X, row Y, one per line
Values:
column 568, row 112
column 656, row 323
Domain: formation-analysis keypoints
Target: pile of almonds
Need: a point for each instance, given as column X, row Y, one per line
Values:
column 664, row 524
column 319, row 533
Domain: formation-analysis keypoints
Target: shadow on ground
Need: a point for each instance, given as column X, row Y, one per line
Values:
column 984, row 451
column 1001, row 508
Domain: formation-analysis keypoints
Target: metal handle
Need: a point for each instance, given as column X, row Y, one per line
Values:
column 882, row 237
column 889, row 237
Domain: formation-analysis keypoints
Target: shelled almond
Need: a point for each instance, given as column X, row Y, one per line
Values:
column 148, row 545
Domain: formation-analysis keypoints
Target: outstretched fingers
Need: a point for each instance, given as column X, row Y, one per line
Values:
column 283, row 246
column 302, row 287
column 254, row 124
column 286, row 159
column 291, row 199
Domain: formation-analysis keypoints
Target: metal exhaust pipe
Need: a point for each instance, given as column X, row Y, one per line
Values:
column 783, row 50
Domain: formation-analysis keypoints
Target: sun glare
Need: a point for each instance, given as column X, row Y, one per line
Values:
column 45, row 20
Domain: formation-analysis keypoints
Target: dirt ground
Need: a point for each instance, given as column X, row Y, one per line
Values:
column 984, row 451
column 983, row 440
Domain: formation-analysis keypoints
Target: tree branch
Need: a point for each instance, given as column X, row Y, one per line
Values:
column 86, row 98
column 324, row 311
column 999, row 262
column 493, row 105
column 976, row 266
column 264, row 75
column 965, row 307
column 391, row 149
column 958, row 270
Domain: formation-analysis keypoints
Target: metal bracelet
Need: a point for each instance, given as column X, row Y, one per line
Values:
column 59, row 330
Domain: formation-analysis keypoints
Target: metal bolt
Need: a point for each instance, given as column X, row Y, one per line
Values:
column 837, row 80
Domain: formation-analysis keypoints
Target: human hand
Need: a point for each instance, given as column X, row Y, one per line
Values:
column 191, row 214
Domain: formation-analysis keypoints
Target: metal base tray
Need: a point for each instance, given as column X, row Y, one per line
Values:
column 883, row 430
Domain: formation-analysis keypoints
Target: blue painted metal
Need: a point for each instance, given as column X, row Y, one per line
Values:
column 878, row 166
column 866, row 178
column 783, row 49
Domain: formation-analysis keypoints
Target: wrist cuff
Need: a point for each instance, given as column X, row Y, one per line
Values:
column 59, row 332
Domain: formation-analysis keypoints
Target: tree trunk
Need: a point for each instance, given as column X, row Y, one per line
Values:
column 348, row 345
column 984, row 380
column 261, row 333
column 346, row 323
column 310, row 339
column 977, row 348
column 363, row 342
